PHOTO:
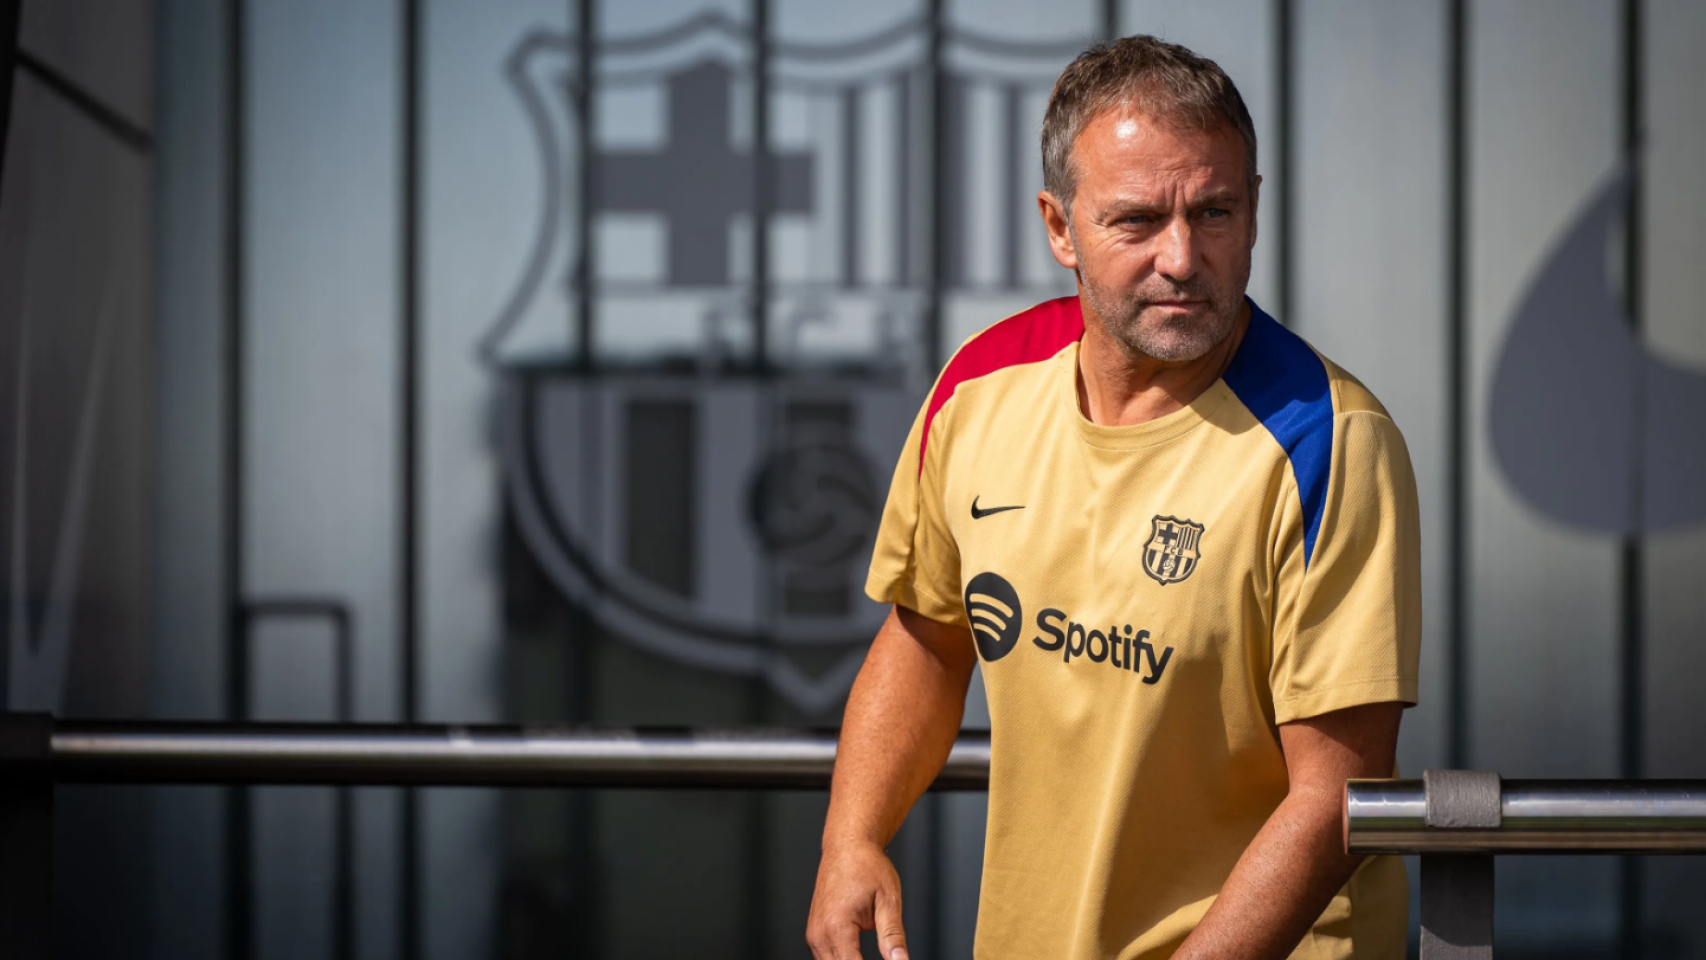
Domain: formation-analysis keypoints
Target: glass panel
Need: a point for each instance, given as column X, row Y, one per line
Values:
column 1674, row 288
column 321, row 421
column 188, row 642
column 498, row 212
column 1543, row 602
column 1370, row 297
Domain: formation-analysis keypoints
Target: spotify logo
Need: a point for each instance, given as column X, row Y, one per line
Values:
column 992, row 606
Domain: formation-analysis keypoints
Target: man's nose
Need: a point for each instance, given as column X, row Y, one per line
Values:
column 1176, row 253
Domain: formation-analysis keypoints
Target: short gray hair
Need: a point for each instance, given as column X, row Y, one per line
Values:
column 1144, row 75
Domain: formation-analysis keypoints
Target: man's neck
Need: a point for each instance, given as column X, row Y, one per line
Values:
column 1118, row 387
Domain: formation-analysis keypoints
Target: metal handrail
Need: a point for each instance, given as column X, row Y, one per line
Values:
column 301, row 754
column 1459, row 820
column 1536, row 816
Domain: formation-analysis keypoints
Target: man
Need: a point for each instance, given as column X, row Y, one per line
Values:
column 1185, row 547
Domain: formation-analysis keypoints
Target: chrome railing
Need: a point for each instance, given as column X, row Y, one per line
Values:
column 1458, row 820
column 457, row 756
column 38, row 752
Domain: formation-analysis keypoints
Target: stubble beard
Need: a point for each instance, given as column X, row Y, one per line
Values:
column 1168, row 337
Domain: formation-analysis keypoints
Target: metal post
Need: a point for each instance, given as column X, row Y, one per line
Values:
column 26, row 836
column 1457, row 890
column 1457, row 907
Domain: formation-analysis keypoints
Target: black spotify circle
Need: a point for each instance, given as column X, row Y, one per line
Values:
column 992, row 606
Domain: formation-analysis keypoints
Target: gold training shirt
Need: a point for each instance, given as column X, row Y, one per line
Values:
column 1149, row 602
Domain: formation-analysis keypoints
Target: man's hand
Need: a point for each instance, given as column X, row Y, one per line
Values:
column 901, row 720
column 1297, row 862
column 857, row 889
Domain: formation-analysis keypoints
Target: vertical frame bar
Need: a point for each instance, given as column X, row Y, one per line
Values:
column 239, row 919
column 586, row 104
column 768, row 374
column 1284, row 152
column 9, row 13
column 944, row 191
column 762, row 186
column 26, row 871
column 408, row 520
column 937, row 254
column 851, row 138
column 1456, row 393
column 1457, row 907
column 26, row 837
column 582, row 631
column 1631, row 895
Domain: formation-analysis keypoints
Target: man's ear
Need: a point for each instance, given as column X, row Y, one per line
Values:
column 1255, row 206
column 1059, row 230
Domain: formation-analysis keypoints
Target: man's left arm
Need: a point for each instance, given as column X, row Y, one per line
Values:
column 1297, row 862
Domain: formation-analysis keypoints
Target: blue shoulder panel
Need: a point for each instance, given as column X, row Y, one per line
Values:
column 1281, row 380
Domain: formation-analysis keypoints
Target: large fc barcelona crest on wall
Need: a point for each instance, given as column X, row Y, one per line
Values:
column 697, row 447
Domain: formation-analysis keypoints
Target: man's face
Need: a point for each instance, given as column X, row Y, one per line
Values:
column 1160, row 234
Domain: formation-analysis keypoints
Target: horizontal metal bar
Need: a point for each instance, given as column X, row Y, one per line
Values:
column 456, row 756
column 1539, row 816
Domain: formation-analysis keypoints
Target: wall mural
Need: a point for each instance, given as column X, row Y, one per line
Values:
column 784, row 472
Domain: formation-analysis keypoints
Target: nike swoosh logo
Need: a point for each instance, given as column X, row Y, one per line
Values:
column 977, row 514
column 1647, row 469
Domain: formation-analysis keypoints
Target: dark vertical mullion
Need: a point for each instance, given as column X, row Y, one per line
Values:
column 903, row 213
column 1110, row 19
column 1456, row 394
column 762, row 184
column 408, row 519
column 581, row 628
column 935, row 285
column 1012, row 185
column 1631, row 560
column 1286, row 187
column 936, row 279
column 9, row 12
column 952, row 263
column 239, row 867
column 939, row 184
column 587, row 160
column 851, row 138
column 759, row 889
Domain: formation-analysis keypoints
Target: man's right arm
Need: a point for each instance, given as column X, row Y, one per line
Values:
column 901, row 720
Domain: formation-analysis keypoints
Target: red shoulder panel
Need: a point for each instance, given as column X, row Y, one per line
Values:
column 1028, row 337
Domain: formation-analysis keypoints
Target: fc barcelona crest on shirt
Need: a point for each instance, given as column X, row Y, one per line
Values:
column 1172, row 551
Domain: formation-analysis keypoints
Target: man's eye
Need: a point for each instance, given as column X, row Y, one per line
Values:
column 1215, row 213
column 1136, row 219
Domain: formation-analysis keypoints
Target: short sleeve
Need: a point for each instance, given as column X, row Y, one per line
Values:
column 916, row 562
column 1347, row 614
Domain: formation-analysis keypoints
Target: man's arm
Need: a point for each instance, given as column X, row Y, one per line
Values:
column 901, row 720
column 1297, row 862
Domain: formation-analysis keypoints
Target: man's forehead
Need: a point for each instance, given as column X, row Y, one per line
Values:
column 1134, row 137
column 1125, row 150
